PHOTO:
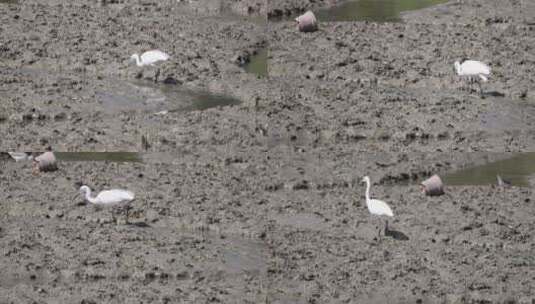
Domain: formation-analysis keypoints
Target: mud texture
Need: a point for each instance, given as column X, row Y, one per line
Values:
column 297, row 232
column 58, row 57
column 388, row 86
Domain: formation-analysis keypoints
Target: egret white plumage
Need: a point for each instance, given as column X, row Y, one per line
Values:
column 375, row 206
column 475, row 71
column 149, row 57
column 112, row 198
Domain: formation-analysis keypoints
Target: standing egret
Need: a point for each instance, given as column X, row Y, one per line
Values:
column 475, row 71
column 113, row 198
column 376, row 207
column 150, row 58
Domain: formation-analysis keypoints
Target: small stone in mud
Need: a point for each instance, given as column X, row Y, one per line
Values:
column 149, row 277
column 60, row 116
column 240, row 60
column 124, row 277
column 183, row 275
column 298, row 185
column 171, row 80
column 383, row 136
column 443, row 135
column 27, row 117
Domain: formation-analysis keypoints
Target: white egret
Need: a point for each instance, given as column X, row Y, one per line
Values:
column 149, row 57
column 376, row 207
column 20, row 156
column 475, row 71
column 112, row 198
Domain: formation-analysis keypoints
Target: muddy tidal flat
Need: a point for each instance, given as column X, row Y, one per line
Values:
column 247, row 148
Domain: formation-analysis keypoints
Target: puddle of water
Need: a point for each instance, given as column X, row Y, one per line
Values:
column 99, row 156
column 516, row 169
column 258, row 63
column 144, row 95
column 371, row 10
column 242, row 255
column 203, row 100
column 506, row 114
column 237, row 254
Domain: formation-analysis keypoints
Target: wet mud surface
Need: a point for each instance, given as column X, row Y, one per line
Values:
column 53, row 71
column 385, row 86
column 256, row 197
column 299, row 231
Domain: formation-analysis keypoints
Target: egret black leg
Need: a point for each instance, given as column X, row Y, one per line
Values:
column 126, row 213
column 113, row 216
column 379, row 233
column 470, row 85
column 379, row 230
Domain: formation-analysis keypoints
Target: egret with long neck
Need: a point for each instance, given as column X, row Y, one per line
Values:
column 150, row 58
column 113, row 198
column 375, row 206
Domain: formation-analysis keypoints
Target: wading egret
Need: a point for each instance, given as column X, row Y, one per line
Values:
column 112, row 198
column 376, row 207
column 149, row 57
column 474, row 71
